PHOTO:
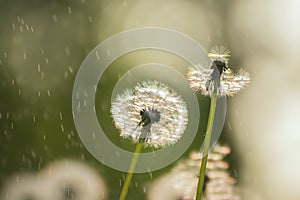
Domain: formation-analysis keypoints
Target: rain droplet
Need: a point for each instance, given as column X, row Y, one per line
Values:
column 97, row 54
column 13, row 27
column 69, row 10
column 60, row 116
column 21, row 29
column 46, row 60
column 229, row 126
column 33, row 154
column 48, row 92
column 54, row 18
column 62, row 128
column 24, row 56
column 39, row 67
column 70, row 69
column 78, row 106
column 90, row 19
column 67, row 50
column 33, row 118
column 151, row 175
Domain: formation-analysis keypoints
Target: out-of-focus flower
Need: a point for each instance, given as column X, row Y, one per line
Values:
column 151, row 111
column 61, row 180
column 219, row 77
column 69, row 179
column 22, row 187
column 182, row 180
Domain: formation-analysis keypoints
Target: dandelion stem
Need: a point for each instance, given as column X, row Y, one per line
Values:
column 126, row 185
column 207, row 139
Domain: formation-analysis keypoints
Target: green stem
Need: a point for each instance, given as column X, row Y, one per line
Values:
column 126, row 185
column 210, row 123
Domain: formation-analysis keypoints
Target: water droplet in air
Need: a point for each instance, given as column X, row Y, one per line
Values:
column 69, row 10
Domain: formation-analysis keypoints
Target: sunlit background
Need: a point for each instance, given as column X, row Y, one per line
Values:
column 43, row 43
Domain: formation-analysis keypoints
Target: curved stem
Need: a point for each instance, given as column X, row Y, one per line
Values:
column 207, row 139
column 126, row 185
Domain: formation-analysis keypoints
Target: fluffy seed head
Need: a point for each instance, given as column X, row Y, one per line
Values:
column 151, row 111
column 219, row 77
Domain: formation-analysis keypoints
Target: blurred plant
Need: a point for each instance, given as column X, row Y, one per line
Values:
column 61, row 180
column 216, row 82
column 21, row 187
column 181, row 182
column 70, row 179
column 152, row 114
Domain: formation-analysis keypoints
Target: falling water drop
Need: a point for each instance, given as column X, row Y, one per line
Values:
column 97, row 54
column 60, row 116
column 69, row 10
column 39, row 67
column 62, row 128
column 90, row 19
column 54, row 18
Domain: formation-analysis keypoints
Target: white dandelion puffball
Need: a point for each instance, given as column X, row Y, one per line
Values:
column 151, row 111
column 70, row 179
column 22, row 186
column 219, row 77
column 181, row 182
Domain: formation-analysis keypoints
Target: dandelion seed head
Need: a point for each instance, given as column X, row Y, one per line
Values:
column 152, row 111
column 183, row 178
column 219, row 77
column 71, row 179
column 220, row 53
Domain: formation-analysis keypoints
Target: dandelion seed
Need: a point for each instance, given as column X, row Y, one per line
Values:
column 151, row 112
column 219, row 77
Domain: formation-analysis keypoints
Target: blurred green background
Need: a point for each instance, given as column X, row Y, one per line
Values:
column 43, row 43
